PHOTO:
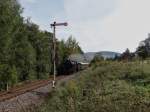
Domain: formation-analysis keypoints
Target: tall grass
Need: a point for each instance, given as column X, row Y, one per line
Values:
column 111, row 87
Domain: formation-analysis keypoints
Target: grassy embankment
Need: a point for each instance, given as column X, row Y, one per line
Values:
column 108, row 87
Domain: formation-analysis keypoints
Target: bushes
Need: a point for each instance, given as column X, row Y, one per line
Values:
column 103, row 89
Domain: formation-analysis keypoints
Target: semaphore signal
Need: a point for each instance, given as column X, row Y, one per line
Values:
column 54, row 51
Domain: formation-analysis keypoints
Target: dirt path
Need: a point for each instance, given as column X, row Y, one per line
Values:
column 31, row 98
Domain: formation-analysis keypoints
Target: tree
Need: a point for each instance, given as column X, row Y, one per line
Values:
column 126, row 55
column 97, row 58
column 9, row 24
column 43, row 46
column 64, row 50
column 142, row 51
column 26, row 52
column 73, row 46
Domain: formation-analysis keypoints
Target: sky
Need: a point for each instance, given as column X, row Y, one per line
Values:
column 98, row 25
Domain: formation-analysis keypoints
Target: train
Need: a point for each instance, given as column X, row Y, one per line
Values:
column 73, row 64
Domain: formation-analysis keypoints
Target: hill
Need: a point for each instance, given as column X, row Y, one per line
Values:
column 106, row 54
column 89, row 55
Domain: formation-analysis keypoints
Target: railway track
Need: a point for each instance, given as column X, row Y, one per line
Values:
column 14, row 92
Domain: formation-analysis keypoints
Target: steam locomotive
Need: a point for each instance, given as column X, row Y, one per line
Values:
column 73, row 64
column 70, row 67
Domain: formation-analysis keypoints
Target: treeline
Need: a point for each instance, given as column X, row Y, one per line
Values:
column 26, row 52
column 142, row 51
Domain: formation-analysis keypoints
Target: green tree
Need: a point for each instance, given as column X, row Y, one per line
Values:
column 26, row 52
column 65, row 49
column 126, row 55
column 42, row 44
column 9, row 24
column 142, row 50
column 73, row 46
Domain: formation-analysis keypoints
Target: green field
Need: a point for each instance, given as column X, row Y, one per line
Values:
column 107, row 87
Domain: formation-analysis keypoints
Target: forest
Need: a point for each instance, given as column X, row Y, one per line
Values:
column 26, row 52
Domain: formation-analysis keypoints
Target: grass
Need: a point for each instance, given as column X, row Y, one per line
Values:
column 108, row 87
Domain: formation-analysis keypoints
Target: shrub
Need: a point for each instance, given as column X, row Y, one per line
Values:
column 114, row 87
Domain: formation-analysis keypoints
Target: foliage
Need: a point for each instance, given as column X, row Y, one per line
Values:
column 26, row 52
column 97, row 61
column 73, row 46
column 114, row 87
column 142, row 52
column 65, row 49
column 126, row 55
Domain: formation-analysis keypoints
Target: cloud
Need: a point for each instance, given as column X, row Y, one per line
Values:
column 108, row 24
column 81, row 10
column 129, row 25
column 97, row 24
column 85, row 18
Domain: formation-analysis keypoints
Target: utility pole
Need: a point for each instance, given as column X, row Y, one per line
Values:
column 54, row 49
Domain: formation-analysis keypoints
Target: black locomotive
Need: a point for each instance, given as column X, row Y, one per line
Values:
column 69, row 67
column 73, row 64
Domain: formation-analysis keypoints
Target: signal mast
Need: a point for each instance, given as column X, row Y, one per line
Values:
column 53, row 25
